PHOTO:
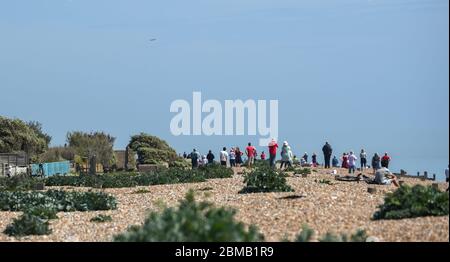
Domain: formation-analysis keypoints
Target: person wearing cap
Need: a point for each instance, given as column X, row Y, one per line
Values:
column 273, row 146
column 286, row 155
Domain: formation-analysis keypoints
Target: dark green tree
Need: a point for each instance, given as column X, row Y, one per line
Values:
column 98, row 144
column 17, row 135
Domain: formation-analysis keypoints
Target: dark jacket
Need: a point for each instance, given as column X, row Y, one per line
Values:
column 210, row 157
column 327, row 150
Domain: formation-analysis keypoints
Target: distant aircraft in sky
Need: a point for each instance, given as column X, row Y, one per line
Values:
column 152, row 39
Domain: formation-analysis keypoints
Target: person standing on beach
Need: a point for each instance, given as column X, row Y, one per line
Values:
column 446, row 173
column 305, row 157
column 232, row 158
column 363, row 157
column 352, row 163
column 385, row 160
column 250, row 151
column 314, row 159
column 195, row 156
column 335, row 162
column 239, row 154
column 286, row 155
column 273, row 146
column 327, row 152
column 210, row 156
column 376, row 162
column 224, row 157
column 344, row 161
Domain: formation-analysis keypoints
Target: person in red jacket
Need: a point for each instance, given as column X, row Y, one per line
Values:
column 263, row 156
column 385, row 160
column 251, row 154
column 273, row 146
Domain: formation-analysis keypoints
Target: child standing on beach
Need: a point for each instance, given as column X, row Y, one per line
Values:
column 232, row 157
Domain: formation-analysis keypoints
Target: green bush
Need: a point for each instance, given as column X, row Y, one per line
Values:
column 101, row 219
column 44, row 212
column 28, row 224
column 265, row 179
column 56, row 200
column 191, row 221
column 417, row 201
column 307, row 233
column 153, row 150
column 131, row 179
column 215, row 171
column 18, row 182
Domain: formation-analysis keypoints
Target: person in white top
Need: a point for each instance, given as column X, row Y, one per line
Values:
column 352, row 163
column 224, row 157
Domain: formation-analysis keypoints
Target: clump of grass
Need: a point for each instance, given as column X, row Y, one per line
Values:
column 205, row 189
column 101, row 219
column 141, row 191
column 324, row 181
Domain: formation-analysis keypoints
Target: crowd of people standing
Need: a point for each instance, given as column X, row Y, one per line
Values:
column 234, row 158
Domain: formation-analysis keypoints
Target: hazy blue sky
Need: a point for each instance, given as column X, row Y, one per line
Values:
column 370, row 74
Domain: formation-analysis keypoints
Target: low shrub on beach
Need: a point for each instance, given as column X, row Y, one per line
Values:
column 416, row 201
column 191, row 221
column 132, row 179
column 307, row 234
column 56, row 200
column 28, row 224
column 265, row 179
column 18, row 182
column 215, row 171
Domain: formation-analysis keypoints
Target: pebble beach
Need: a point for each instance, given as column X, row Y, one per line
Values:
column 339, row 207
